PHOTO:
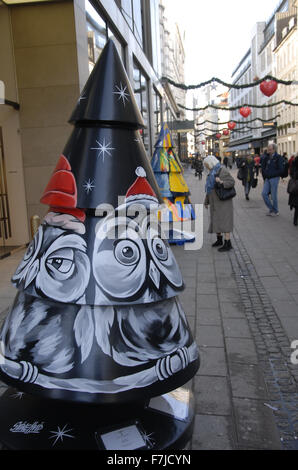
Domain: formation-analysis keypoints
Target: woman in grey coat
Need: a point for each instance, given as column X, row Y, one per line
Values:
column 221, row 212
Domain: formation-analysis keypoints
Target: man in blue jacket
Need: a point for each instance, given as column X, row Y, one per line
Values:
column 272, row 169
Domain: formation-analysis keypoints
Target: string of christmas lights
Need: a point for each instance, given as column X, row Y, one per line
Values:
column 233, row 108
column 229, row 85
column 238, row 122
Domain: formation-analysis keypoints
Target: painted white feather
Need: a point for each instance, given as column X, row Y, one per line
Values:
column 84, row 331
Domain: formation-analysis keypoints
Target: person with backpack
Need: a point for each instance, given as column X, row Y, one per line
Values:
column 272, row 165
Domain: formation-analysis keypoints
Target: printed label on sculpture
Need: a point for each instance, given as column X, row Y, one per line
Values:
column 128, row 438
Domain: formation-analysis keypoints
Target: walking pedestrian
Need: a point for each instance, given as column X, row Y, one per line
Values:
column 199, row 168
column 293, row 193
column 272, row 169
column 225, row 162
column 221, row 212
column 248, row 166
column 257, row 160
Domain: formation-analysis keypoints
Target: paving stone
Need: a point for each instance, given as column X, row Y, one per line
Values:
column 242, row 351
column 212, row 433
column 236, row 328
column 255, row 424
column 217, row 402
column 232, row 309
column 229, row 295
column 206, row 288
column 208, row 316
column 207, row 301
column 213, row 362
column 247, row 381
column 208, row 335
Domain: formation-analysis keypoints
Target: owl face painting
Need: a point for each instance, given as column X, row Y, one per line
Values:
column 117, row 260
column 97, row 314
column 139, row 264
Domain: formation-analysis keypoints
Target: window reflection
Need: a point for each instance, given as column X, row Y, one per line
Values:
column 157, row 114
column 132, row 12
column 141, row 95
column 98, row 34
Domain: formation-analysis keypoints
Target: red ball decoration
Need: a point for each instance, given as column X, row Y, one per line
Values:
column 231, row 125
column 225, row 132
column 218, row 135
column 245, row 111
column 268, row 87
column 203, row 142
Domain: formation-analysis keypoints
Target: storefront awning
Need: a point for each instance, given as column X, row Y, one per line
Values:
column 237, row 147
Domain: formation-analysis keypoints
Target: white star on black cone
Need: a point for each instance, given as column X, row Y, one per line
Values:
column 148, row 439
column 18, row 395
column 60, row 434
column 103, row 148
column 121, row 92
column 88, row 186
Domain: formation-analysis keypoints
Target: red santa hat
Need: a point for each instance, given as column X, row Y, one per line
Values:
column 140, row 190
column 61, row 191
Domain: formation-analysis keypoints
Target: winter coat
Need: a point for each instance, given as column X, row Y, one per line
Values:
column 248, row 170
column 271, row 167
column 293, row 198
column 221, row 212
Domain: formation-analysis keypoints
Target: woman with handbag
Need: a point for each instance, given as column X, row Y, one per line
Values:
column 293, row 189
column 248, row 172
column 220, row 181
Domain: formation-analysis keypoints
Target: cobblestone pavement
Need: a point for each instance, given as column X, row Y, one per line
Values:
column 242, row 307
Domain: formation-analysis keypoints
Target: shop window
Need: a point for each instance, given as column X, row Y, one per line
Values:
column 98, row 34
column 132, row 12
column 157, row 114
column 141, row 95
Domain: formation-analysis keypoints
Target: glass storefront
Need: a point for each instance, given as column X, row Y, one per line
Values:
column 98, row 34
column 132, row 12
column 141, row 95
column 157, row 113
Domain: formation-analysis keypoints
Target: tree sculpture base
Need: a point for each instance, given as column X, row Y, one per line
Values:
column 31, row 423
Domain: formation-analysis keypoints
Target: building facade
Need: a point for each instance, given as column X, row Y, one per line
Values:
column 47, row 51
column 261, row 60
column 286, row 68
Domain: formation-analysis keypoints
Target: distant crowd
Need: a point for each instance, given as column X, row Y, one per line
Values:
column 220, row 186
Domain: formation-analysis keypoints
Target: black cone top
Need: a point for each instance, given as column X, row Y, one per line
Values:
column 108, row 96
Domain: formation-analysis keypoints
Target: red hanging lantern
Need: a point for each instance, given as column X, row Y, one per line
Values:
column 245, row 111
column 268, row 87
column 218, row 135
column 203, row 142
column 225, row 132
column 231, row 125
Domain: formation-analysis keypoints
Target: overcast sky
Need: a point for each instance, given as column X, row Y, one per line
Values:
column 217, row 33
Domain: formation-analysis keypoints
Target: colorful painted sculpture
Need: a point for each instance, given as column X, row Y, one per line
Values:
column 97, row 318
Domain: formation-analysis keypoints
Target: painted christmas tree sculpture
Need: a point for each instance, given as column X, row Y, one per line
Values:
column 97, row 319
column 168, row 172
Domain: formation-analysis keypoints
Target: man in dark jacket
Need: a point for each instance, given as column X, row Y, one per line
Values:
column 272, row 168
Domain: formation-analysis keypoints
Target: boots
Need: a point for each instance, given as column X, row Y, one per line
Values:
column 227, row 246
column 219, row 241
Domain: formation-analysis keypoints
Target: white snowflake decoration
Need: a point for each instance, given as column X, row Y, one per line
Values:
column 60, row 434
column 103, row 149
column 88, row 186
column 121, row 92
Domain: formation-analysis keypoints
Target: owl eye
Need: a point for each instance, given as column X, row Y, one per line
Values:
column 160, row 249
column 127, row 252
column 60, row 264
